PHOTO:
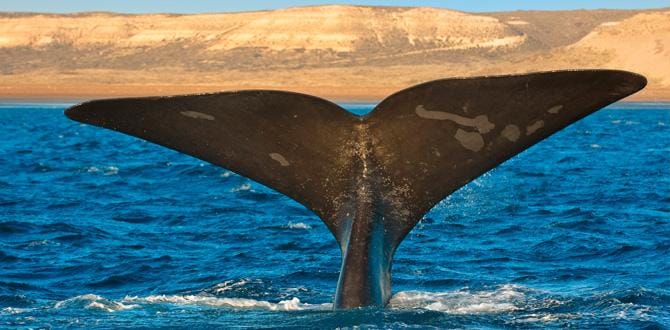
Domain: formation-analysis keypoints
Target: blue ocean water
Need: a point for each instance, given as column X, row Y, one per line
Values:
column 98, row 229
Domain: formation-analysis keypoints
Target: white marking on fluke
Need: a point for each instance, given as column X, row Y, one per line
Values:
column 511, row 132
column 470, row 140
column 280, row 159
column 197, row 115
column 481, row 123
column 534, row 127
column 555, row 109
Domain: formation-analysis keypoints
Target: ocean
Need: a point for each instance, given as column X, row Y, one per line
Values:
column 102, row 230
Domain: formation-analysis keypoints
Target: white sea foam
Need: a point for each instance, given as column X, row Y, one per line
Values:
column 242, row 187
column 230, row 285
column 503, row 299
column 111, row 170
column 96, row 302
column 13, row 310
column 545, row 317
column 92, row 301
column 506, row 298
column 293, row 304
column 92, row 169
column 107, row 170
column 44, row 242
column 298, row 225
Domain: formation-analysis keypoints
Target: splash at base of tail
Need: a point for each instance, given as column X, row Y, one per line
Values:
column 371, row 178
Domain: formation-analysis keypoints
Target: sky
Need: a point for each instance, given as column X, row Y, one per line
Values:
column 203, row 6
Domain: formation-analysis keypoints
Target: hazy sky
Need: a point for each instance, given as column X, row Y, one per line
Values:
column 182, row 6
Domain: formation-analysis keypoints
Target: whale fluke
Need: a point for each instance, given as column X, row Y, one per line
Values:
column 370, row 178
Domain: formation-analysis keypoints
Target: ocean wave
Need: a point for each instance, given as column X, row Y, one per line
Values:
column 92, row 301
column 99, row 303
column 298, row 225
column 242, row 187
column 105, row 170
column 508, row 304
column 150, row 242
column 293, row 304
column 506, row 298
column 545, row 318
column 233, row 285
column 503, row 299
column 15, row 227
column 13, row 310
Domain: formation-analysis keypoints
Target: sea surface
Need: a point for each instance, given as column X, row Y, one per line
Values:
column 102, row 230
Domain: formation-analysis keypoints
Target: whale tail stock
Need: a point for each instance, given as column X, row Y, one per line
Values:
column 371, row 178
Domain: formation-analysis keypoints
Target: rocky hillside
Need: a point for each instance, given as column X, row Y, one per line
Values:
column 343, row 52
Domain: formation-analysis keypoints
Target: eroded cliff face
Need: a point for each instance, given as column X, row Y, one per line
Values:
column 327, row 28
column 334, row 51
column 640, row 43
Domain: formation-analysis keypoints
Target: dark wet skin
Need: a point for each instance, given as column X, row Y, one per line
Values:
column 370, row 179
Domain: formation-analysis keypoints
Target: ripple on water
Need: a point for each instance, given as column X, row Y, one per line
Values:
column 101, row 230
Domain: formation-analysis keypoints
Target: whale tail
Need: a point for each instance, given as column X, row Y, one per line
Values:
column 371, row 178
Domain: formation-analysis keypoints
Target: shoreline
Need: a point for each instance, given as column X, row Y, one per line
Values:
column 361, row 96
column 341, row 102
